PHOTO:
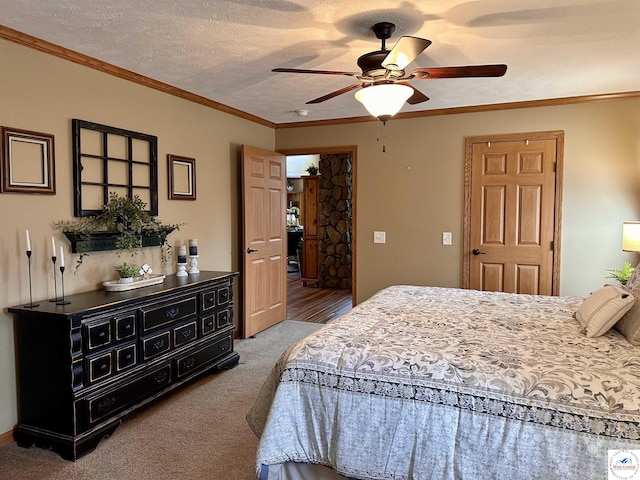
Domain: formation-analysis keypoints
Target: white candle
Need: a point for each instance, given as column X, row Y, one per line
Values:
column 28, row 242
column 53, row 247
column 61, row 257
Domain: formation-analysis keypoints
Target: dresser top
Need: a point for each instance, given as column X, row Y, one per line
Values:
column 82, row 303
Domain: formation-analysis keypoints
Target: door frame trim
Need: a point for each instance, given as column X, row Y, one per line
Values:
column 558, row 136
column 353, row 150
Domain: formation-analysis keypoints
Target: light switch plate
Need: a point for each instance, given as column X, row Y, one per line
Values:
column 446, row 238
column 379, row 237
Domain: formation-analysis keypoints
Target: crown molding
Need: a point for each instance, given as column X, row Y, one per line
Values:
column 82, row 59
column 87, row 61
column 472, row 109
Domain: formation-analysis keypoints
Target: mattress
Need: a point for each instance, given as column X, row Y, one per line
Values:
column 428, row 382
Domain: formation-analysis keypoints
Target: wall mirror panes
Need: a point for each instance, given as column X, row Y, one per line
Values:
column 108, row 159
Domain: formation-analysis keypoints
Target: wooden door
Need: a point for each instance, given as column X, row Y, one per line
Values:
column 264, row 196
column 512, row 215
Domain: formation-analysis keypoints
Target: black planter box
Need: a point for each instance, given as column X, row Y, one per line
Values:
column 101, row 241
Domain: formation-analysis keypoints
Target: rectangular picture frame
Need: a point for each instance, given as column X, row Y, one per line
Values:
column 28, row 164
column 182, row 177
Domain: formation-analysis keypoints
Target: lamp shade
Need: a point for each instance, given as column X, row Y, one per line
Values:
column 384, row 101
column 631, row 236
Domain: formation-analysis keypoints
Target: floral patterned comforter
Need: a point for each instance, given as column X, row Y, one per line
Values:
column 428, row 382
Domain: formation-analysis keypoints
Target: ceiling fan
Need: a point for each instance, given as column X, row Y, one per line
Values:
column 385, row 84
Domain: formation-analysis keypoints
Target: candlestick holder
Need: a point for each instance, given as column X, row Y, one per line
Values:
column 193, row 264
column 62, row 301
column 31, row 304
column 182, row 270
column 55, row 281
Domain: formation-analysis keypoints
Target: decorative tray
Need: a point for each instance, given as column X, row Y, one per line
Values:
column 116, row 286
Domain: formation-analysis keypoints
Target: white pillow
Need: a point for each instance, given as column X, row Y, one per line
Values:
column 602, row 309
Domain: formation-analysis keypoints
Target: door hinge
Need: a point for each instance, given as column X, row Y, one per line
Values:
column 552, row 244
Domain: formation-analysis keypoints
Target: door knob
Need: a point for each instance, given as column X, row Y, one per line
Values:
column 251, row 250
column 475, row 251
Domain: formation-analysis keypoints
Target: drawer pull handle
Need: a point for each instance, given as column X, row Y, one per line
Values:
column 102, row 334
column 186, row 333
column 160, row 377
column 173, row 312
column 106, row 404
column 103, row 367
column 158, row 344
column 189, row 362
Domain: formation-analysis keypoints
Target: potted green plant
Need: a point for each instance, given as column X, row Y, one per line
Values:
column 127, row 272
column 621, row 274
column 312, row 169
column 124, row 224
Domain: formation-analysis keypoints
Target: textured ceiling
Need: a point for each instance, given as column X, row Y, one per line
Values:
column 224, row 50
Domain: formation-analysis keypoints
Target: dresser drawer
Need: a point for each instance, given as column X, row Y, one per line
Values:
column 98, row 334
column 126, row 357
column 99, row 367
column 157, row 316
column 223, row 296
column 185, row 334
column 224, row 318
column 207, row 324
column 109, row 403
column 125, row 327
column 201, row 356
column 155, row 345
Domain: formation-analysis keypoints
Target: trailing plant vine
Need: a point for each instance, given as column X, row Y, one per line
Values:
column 128, row 218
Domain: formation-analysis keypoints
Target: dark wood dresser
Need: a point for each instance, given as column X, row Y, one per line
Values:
column 84, row 365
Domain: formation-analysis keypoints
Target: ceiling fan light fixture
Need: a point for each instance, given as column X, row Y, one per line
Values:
column 384, row 101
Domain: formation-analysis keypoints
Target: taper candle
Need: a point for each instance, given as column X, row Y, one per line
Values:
column 53, row 247
column 61, row 256
column 28, row 241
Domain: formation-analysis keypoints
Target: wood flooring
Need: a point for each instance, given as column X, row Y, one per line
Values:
column 319, row 305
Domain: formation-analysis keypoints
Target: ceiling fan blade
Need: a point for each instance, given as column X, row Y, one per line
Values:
column 417, row 97
column 460, row 72
column 404, row 52
column 321, row 72
column 335, row 94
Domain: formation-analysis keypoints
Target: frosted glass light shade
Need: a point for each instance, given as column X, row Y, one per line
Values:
column 384, row 101
column 631, row 236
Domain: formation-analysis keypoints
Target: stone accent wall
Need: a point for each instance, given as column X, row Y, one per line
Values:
column 335, row 217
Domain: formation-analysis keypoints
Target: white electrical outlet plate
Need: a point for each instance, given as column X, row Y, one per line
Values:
column 379, row 237
column 446, row 238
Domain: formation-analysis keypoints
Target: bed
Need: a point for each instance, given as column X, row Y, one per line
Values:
column 442, row 383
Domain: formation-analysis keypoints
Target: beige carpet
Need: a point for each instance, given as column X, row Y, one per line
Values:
column 199, row 432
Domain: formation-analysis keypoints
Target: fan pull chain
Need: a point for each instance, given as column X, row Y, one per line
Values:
column 384, row 145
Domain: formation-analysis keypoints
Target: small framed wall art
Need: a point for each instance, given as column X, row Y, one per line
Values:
column 182, row 177
column 27, row 164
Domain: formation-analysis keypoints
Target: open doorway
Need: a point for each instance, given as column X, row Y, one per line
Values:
column 334, row 290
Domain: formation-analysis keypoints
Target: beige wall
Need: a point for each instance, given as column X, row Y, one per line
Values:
column 415, row 190
column 43, row 93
